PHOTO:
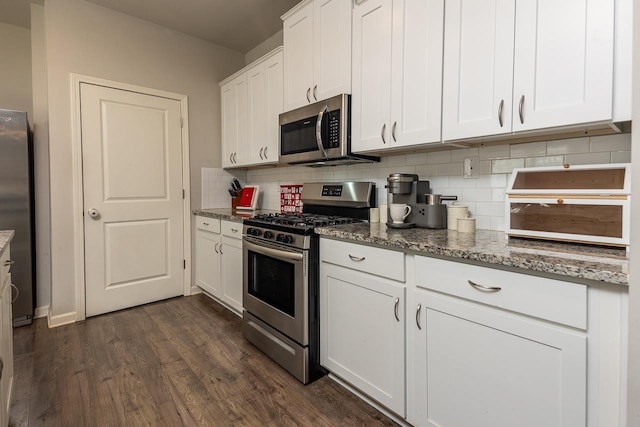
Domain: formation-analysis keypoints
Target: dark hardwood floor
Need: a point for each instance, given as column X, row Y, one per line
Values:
column 180, row 362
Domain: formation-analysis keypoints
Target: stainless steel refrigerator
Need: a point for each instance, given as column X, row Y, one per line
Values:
column 17, row 208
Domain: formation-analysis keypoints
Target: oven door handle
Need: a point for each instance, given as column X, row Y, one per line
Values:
column 276, row 253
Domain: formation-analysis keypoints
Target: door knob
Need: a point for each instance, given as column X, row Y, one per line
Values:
column 93, row 213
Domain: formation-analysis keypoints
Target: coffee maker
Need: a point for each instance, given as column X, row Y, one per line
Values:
column 405, row 189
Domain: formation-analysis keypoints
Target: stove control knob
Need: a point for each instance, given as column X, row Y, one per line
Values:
column 255, row 231
column 287, row 238
column 268, row 235
column 280, row 237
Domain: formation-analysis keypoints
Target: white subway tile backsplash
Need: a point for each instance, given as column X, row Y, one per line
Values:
column 568, row 146
column 618, row 142
column 493, row 152
column 506, row 165
column 443, row 169
column 531, row 162
column 588, row 158
column 529, row 149
column 621, row 157
column 439, row 157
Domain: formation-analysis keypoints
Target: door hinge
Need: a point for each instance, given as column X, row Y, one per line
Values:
column 184, row 264
column 181, row 122
column 183, row 194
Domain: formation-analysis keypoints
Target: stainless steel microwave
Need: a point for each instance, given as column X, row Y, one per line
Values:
column 319, row 134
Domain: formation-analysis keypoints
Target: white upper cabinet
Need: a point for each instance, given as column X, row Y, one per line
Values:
column 563, row 65
column 557, row 57
column 251, row 102
column 397, row 73
column 317, row 40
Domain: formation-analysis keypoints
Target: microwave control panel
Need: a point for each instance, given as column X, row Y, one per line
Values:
column 334, row 129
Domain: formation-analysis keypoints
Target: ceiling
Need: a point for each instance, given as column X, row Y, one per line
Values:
column 237, row 24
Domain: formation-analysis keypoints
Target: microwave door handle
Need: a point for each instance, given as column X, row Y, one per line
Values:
column 318, row 132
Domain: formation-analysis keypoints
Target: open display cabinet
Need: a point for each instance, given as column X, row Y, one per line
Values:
column 584, row 203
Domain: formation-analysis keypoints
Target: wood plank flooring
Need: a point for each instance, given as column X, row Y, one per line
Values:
column 179, row 362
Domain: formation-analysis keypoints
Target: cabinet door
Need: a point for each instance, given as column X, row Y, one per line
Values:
column 332, row 48
column 478, row 366
column 258, row 112
column 208, row 262
column 372, row 31
column 231, row 250
column 235, row 116
column 274, row 81
column 416, row 88
column 362, row 333
column 478, row 68
column 563, row 67
column 298, row 57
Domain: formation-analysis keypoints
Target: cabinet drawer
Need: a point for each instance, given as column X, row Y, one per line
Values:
column 549, row 299
column 208, row 224
column 232, row 229
column 381, row 262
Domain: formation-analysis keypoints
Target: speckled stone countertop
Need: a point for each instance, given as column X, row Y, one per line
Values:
column 229, row 214
column 575, row 261
column 5, row 238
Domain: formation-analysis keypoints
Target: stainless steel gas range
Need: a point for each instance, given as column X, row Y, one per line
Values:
column 281, row 273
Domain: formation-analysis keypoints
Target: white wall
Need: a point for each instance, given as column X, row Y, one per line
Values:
column 40, row 124
column 265, row 47
column 444, row 169
column 90, row 40
column 15, row 83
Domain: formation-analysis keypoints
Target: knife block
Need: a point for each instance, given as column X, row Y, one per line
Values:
column 234, row 203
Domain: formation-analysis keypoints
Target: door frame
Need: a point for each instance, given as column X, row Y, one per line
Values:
column 78, row 188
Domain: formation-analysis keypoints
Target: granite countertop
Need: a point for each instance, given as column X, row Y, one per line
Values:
column 230, row 214
column 5, row 238
column 577, row 261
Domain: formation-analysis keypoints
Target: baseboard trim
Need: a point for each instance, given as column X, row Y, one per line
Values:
column 195, row 290
column 41, row 312
column 61, row 319
column 400, row 421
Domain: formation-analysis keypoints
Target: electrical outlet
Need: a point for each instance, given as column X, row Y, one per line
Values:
column 471, row 167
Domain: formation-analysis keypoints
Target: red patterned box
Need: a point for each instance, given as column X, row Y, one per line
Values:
column 291, row 198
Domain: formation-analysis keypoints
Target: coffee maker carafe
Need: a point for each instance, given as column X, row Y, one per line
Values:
column 405, row 189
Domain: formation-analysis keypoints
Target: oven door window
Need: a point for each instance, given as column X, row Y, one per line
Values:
column 272, row 281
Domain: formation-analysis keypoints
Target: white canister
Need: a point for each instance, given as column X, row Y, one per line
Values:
column 383, row 213
column 466, row 225
column 374, row 215
column 453, row 213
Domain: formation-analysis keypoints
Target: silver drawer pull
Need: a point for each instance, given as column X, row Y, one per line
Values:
column 395, row 309
column 418, row 310
column 484, row 288
column 356, row 258
column 9, row 262
column 235, row 230
column 206, row 223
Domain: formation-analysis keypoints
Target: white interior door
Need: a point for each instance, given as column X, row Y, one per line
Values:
column 132, row 177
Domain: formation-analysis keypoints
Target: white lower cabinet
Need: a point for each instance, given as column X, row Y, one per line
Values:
column 219, row 260
column 6, row 338
column 362, row 337
column 477, row 346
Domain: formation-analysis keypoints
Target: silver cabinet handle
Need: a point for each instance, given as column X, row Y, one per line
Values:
column 262, row 149
column 500, row 112
column 393, row 131
column 215, row 248
column 234, row 230
column 356, row 258
column 9, row 262
column 308, row 91
column 231, row 158
column 395, row 309
column 520, row 108
column 205, row 223
column 484, row 288
column 315, row 92
column 222, row 253
column 235, row 157
column 265, row 153
column 418, row 310
column 384, row 127
column 17, row 293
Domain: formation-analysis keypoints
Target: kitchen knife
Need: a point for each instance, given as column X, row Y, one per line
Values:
column 232, row 192
column 236, row 184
